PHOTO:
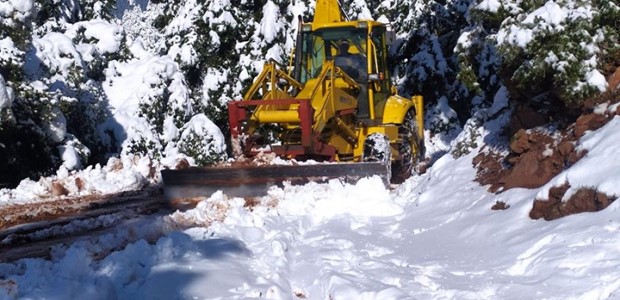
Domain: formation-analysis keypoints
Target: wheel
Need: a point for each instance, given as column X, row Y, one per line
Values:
column 410, row 149
column 377, row 149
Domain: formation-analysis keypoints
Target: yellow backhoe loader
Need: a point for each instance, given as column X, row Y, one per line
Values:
column 334, row 102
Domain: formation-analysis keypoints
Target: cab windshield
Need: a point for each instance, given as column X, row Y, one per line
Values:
column 325, row 44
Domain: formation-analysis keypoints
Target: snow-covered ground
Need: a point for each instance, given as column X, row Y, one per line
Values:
column 119, row 174
column 433, row 237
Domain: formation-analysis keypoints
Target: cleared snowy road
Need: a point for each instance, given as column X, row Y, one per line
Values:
column 434, row 237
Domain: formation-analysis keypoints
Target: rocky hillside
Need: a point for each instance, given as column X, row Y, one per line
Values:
column 540, row 150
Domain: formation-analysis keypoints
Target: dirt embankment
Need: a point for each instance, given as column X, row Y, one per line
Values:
column 584, row 200
column 537, row 154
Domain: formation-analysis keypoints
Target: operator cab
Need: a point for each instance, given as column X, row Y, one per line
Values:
column 358, row 50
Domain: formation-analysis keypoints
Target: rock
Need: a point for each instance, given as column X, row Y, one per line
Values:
column 614, row 80
column 603, row 200
column 478, row 159
column 535, row 157
column 513, row 160
column 526, row 118
column 520, row 142
column 499, row 205
column 542, row 208
column 549, row 208
column 58, row 189
column 533, row 170
column 117, row 165
column 182, row 164
column 589, row 122
column 489, row 169
column 566, row 148
column 557, row 192
column 79, row 183
column 575, row 156
column 532, row 166
column 584, row 200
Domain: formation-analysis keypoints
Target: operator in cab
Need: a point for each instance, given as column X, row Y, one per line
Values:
column 354, row 64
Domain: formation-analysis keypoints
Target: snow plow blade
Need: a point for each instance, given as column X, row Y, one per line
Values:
column 249, row 181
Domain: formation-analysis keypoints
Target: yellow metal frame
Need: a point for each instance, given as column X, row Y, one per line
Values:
column 418, row 102
column 330, row 94
column 269, row 77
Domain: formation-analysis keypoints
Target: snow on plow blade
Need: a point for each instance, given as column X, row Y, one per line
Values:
column 249, row 181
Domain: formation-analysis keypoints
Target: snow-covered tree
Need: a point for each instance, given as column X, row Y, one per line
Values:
column 84, row 80
column 51, row 61
column 551, row 51
column 221, row 45
column 426, row 59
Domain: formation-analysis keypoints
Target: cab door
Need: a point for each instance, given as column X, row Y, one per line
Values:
column 379, row 75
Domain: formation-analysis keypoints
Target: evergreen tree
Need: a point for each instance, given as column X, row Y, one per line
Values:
column 551, row 51
column 426, row 63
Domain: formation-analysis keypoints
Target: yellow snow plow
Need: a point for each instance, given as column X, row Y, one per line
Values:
column 334, row 102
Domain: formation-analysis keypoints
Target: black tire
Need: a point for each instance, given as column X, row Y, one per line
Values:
column 377, row 149
column 410, row 149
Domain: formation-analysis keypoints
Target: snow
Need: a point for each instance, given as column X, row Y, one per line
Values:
column 489, row 5
column 6, row 95
column 56, row 129
column 108, row 36
column 440, row 116
column 547, row 19
column 57, row 52
column 514, row 35
column 22, row 5
column 18, row 9
column 595, row 170
column 270, row 25
column 529, row 30
column 133, row 22
column 119, row 174
column 201, row 125
column 551, row 13
column 596, row 79
column 8, row 51
column 465, row 40
column 184, row 21
column 130, row 84
column 185, row 18
column 70, row 157
column 213, row 78
column 219, row 14
column 432, row 237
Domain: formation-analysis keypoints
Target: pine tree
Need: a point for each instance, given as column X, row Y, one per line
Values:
column 426, row 62
column 557, row 61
